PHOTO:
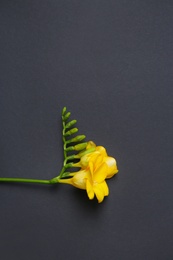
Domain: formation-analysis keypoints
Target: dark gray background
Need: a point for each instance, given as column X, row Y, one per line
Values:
column 111, row 64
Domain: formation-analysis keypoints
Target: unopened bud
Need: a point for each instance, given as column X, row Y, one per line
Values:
column 91, row 150
column 66, row 116
column 79, row 147
column 69, row 165
column 72, row 131
column 78, row 138
column 64, row 110
column 71, row 123
column 70, row 148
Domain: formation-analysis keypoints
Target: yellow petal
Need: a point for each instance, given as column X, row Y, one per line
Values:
column 100, row 174
column 91, row 167
column 89, row 190
column 87, row 158
column 79, row 179
column 98, row 160
column 78, row 164
column 101, row 150
column 90, row 144
column 99, row 193
column 104, row 187
column 66, row 181
column 112, row 166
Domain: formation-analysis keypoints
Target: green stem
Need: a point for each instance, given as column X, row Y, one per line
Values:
column 25, row 180
column 64, row 148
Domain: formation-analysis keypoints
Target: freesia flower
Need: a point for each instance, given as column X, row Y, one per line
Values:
column 99, row 156
column 94, row 163
column 95, row 166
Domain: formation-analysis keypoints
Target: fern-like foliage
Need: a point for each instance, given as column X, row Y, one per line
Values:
column 72, row 143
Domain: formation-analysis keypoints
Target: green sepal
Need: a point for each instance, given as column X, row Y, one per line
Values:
column 55, row 180
column 66, row 174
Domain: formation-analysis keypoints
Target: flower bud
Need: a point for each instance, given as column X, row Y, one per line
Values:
column 70, row 124
column 69, row 165
column 79, row 147
column 82, row 153
column 72, row 131
column 64, row 110
column 71, row 157
column 70, row 148
column 78, row 138
column 66, row 116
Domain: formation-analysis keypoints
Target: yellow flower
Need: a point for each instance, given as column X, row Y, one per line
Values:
column 95, row 166
column 92, row 180
column 99, row 156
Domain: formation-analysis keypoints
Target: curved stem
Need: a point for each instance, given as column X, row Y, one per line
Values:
column 64, row 148
column 19, row 180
